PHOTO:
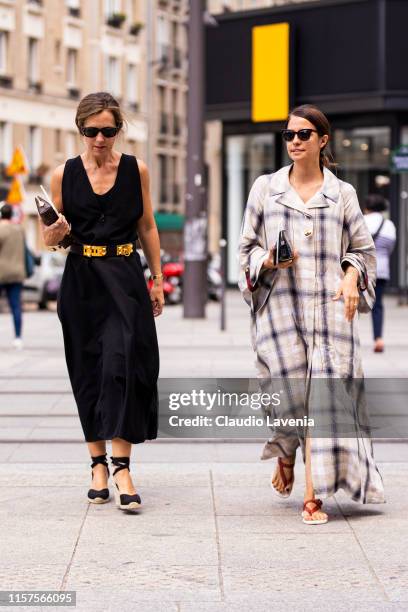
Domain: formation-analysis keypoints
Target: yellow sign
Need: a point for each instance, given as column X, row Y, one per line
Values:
column 18, row 164
column 16, row 193
column 270, row 72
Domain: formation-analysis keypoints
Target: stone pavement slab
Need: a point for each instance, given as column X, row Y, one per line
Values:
column 276, row 602
column 203, row 538
column 27, row 403
column 159, row 451
column 212, row 536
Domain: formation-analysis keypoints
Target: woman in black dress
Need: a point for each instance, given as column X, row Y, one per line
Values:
column 104, row 306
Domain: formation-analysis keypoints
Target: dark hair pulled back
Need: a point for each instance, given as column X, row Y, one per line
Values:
column 322, row 125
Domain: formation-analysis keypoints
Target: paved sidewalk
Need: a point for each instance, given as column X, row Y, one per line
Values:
column 35, row 395
column 212, row 535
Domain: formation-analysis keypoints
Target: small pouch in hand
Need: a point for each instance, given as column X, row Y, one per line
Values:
column 49, row 215
column 283, row 251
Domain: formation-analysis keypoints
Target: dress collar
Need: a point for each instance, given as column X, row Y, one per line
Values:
column 279, row 183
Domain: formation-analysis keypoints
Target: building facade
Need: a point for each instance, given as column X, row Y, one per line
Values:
column 356, row 79
column 53, row 52
column 225, row 6
column 166, row 99
column 214, row 127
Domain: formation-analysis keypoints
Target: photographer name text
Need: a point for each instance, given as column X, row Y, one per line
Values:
column 223, row 420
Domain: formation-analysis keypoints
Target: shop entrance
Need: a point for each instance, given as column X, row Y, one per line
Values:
column 246, row 157
column 363, row 158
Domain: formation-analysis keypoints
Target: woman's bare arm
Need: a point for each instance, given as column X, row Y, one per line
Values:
column 56, row 187
column 146, row 226
column 149, row 239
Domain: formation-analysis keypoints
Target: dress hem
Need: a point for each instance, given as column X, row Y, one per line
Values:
column 134, row 441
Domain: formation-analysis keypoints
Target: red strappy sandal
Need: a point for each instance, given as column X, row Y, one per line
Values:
column 288, row 484
column 306, row 511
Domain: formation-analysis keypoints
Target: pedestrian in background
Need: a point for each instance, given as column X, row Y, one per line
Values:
column 384, row 235
column 303, row 311
column 104, row 306
column 12, row 267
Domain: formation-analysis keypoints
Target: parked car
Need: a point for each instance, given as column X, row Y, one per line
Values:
column 43, row 286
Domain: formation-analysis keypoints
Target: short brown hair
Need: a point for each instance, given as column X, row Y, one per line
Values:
column 322, row 125
column 95, row 103
column 375, row 202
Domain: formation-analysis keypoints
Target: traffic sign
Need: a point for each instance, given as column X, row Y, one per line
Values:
column 18, row 164
column 399, row 159
column 16, row 193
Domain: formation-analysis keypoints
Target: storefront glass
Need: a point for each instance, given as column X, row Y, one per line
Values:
column 402, row 227
column 247, row 157
column 363, row 158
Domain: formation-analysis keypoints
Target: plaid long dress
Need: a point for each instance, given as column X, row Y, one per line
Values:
column 303, row 343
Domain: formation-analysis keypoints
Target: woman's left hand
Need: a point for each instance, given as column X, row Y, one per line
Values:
column 157, row 298
column 349, row 290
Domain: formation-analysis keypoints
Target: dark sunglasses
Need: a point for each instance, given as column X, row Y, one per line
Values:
column 304, row 134
column 92, row 132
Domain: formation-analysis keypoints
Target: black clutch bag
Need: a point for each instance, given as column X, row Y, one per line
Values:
column 283, row 250
column 49, row 215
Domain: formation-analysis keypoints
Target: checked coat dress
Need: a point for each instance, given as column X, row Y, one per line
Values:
column 303, row 343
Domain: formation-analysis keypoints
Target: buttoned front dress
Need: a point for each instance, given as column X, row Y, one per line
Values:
column 301, row 336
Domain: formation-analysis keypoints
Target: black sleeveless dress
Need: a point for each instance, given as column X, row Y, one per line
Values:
column 105, row 311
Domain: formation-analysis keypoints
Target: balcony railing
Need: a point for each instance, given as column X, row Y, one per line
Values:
column 177, row 58
column 135, row 28
column 176, row 126
column 176, row 193
column 164, row 57
column 6, row 81
column 115, row 20
column 73, row 92
column 163, row 195
column 74, row 11
column 164, row 123
column 35, row 86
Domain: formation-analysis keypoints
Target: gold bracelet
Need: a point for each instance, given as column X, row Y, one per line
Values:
column 157, row 276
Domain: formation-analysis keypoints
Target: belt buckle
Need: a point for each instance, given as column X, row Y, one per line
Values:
column 124, row 249
column 92, row 250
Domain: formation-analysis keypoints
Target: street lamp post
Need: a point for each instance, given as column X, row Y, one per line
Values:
column 195, row 227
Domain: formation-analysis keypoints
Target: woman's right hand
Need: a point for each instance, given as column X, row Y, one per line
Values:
column 53, row 234
column 269, row 264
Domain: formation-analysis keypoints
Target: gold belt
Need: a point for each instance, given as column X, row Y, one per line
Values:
column 92, row 250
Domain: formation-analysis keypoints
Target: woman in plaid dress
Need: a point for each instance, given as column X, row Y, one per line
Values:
column 303, row 316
